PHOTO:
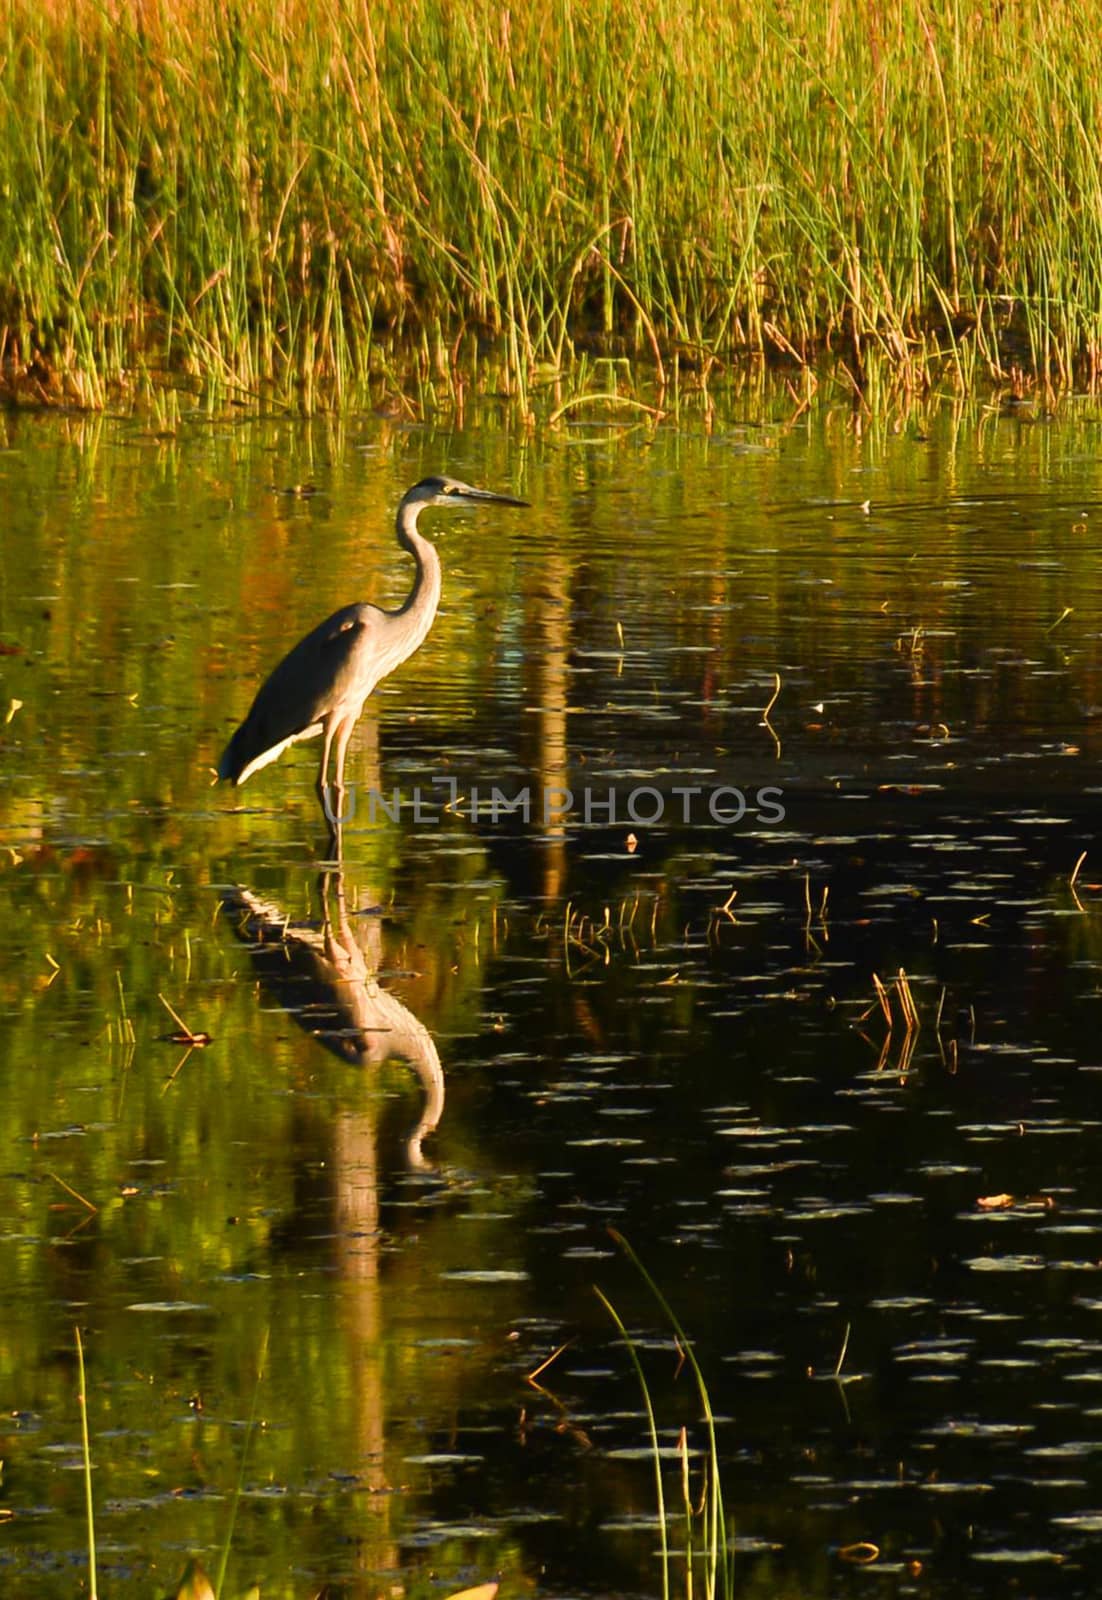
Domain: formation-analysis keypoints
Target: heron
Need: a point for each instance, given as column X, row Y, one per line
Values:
column 320, row 686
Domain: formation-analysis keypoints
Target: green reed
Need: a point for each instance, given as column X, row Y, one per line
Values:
column 713, row 1557
column 86, row 1462
column 295, row 202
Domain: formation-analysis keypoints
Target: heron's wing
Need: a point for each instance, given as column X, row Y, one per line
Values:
column 334, row 668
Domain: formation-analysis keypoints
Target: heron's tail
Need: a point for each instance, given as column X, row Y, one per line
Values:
column 235, row 757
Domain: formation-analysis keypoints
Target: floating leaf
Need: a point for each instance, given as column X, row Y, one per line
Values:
column 482, row 1591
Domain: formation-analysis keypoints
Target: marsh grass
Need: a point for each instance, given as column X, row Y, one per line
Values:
column 312, row 202
column 712, row 1555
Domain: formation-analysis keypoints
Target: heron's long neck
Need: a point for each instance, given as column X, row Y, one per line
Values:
column 424, row 597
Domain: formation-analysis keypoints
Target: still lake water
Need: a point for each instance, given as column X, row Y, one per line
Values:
column 436, row 1082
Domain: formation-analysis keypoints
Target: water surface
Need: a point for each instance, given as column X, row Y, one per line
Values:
column 436, row 1081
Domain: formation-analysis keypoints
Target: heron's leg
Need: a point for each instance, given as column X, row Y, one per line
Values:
column 343, row 736
column 334, row 851
column 321, row 785
column 332, row 796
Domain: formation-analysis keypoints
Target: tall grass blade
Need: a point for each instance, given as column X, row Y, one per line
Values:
column 633, row 1353
column 718, row 1559
column 87, row 1458
column 224, row 1556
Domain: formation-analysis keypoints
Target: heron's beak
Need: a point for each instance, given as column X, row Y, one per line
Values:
column 488, row 494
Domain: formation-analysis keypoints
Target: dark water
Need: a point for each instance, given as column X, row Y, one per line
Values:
column 439, row 1083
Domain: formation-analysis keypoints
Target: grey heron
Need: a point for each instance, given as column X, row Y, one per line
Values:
column 320, row 686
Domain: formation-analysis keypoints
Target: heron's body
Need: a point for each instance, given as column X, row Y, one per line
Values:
column 321, row 685
column 348, row 653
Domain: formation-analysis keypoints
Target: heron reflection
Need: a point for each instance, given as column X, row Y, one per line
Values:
column 326, row 977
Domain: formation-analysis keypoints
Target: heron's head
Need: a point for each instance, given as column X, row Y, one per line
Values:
column 450, row 492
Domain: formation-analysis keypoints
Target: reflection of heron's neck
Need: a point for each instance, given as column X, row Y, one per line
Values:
column 357, row 969
column 420, row 607
column 431, row 1073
